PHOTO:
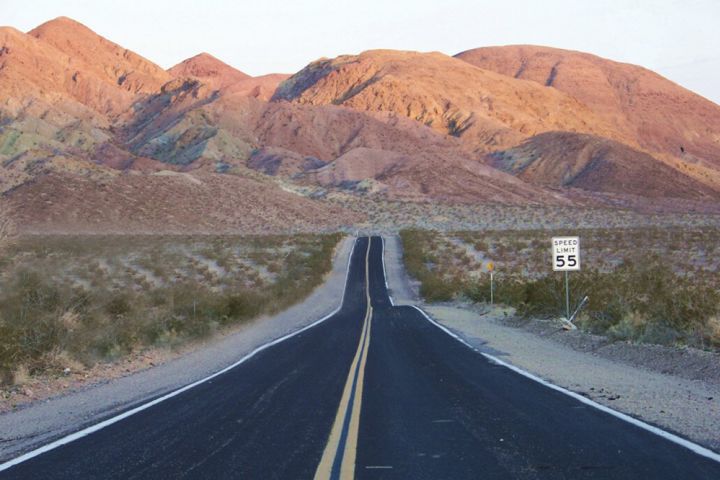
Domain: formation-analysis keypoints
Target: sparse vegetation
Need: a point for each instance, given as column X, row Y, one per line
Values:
column 7, row 226
column 648, row 285
column 72, row 301
column 393, row 215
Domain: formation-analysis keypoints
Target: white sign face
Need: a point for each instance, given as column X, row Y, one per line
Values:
column 566, row 254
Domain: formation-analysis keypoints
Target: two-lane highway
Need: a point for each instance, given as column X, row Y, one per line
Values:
column 374, row 391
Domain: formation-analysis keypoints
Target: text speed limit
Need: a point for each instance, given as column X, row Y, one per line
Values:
column 566, row 254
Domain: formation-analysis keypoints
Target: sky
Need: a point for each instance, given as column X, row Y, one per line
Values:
column 677, row 38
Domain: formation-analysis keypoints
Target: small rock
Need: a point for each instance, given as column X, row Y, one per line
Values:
column 66, row 372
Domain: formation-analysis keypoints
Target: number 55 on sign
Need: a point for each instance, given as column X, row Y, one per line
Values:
column 566, row 254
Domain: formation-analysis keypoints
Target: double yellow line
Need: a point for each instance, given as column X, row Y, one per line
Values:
column 338, row 460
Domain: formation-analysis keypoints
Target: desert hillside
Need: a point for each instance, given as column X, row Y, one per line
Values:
column 95, row 137
column 659, row 126
column 230, row 81
column 208, row 70
column 169, row 203
column 657, row 114
column 483, row 108
column 563, row 159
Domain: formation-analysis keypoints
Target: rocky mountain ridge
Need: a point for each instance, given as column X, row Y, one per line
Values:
column 503, row 126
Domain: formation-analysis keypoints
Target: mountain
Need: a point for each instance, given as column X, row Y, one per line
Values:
column 485, row 109
column 658, row 115
column 87, row 53
column 532, row 103
column 219, row 75
column 262, row 87
column 48, row 111
column 208, row 70
column 96, row 138
column 426, row 176
column 61, row 88
column 596, row 164
column 69, row 100
column 36, row 76
column 190, row 125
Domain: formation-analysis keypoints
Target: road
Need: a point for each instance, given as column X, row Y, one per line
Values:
column 374, row 391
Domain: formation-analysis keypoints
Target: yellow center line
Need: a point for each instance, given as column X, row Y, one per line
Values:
column 355, row 378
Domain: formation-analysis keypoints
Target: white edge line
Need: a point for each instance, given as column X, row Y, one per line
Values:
column 698, row 449
column 99, row 426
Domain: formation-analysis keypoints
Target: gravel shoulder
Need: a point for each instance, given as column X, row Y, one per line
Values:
column 38, row 423
column 676, row 389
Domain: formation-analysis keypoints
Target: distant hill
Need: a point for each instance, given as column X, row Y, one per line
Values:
column 587, row 162
column 208, row 70
column 219, row 75
column 657, row 114
column 485, row 109
column 87, row 53
column 94, row 137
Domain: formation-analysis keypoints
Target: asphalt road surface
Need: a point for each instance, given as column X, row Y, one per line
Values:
column 375, row 391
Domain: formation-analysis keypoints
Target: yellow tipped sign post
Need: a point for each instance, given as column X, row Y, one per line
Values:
column 491, row 269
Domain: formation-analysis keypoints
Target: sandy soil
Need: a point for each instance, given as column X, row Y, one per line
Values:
column 676, row 389
column 112, row 388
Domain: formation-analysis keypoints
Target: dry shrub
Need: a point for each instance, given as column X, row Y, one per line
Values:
column 21, row 376
column 649, row 298
column 49, row 323
column 7, row 225
column 70, row 320
column 713, row 330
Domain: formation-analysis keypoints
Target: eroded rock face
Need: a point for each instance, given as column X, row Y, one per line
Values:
column 77, row 109
column 280, row 161
column 106, row 60
column 485, row 109
column 588, row 162
column 227, row 80
column 657, row 114
column 208, row 70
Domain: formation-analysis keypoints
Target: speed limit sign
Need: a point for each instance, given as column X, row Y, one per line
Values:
column 566, row 254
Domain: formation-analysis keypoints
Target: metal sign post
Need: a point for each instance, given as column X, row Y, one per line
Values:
column 492, row 289
column 567, row 295
column 566, row 258
column 491, row 268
